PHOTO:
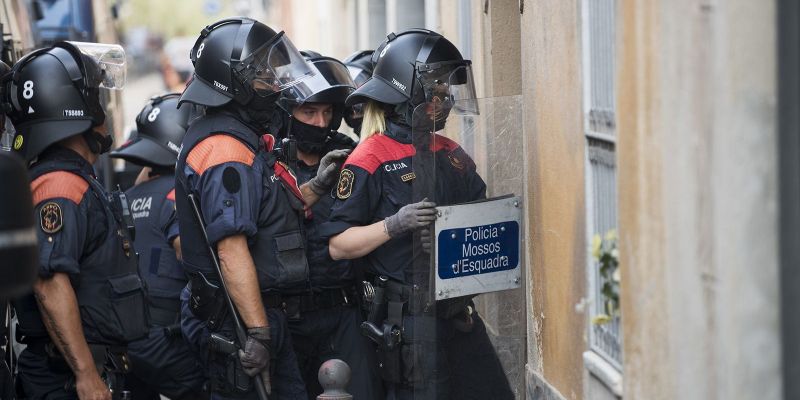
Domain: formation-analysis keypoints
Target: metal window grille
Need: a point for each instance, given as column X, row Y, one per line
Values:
column 600, row 109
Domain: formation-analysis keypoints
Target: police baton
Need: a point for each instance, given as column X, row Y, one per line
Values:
column 240, row 332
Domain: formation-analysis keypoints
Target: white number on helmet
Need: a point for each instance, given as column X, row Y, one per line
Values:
column 153, row 114
column 27, row 90
column 200, row 49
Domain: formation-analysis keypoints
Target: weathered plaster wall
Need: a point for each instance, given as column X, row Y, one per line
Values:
column 698, row 198
column 553, row 126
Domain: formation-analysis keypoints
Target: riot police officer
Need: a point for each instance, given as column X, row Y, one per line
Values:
column 89, row 299
column 251, row 207
column 359, row 65
column 324, row 322
column 386, row 196
column 18, row 253
column 162, row 363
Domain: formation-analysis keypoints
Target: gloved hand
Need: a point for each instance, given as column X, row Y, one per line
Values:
column 425, row 240
column 255, row 355
column 328, row 171
column 410, row 218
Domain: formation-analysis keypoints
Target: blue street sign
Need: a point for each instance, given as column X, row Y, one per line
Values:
column 474, row 250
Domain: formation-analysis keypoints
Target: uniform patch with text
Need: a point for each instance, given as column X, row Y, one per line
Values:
column 51, row 217
column 345, row 185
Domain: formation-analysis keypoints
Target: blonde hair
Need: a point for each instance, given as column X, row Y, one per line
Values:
column 374, row 122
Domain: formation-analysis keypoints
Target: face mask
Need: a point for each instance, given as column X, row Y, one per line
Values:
column 260, row 109
column 98, row 143
column 310, row 138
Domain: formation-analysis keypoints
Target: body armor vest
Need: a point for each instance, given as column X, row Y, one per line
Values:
column 278, row 247
column 110, row 293
column 326, row 273
column 158, row 263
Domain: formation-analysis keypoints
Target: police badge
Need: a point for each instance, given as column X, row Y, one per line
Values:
column 51, row 217
column 345, row 185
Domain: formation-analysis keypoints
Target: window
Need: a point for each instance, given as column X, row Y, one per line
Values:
column 599, row 28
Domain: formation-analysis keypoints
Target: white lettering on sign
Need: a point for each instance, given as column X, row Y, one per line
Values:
column 140, row 207
column 465, row 265
column 394, row 166
column 469, row 249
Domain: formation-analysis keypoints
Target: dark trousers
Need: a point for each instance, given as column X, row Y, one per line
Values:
column 164, row 365
column 449, row 362
column 330, row 333
column 287, row 383
column 42, row 377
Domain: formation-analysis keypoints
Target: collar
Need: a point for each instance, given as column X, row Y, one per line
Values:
column 398, row 132
column 67, row 160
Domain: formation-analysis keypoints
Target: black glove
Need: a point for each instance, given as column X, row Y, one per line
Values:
column 255, row 354
column 411, row 218
column 328, row 171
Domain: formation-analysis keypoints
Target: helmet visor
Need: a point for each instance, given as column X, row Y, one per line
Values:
column 109, row 60
column 278, row 66
column 326, row 74
column 451, row 84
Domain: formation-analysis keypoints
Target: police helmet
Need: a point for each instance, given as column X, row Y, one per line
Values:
column 161, row 126
column 238, row 58
column 359, row 64
column 330, row 84
column 53, row 93
column 414, row 66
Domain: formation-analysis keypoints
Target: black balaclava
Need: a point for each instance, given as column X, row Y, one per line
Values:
column 310, row 138
column 259, row 110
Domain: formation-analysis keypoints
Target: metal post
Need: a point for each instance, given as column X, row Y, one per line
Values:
column 334, row 375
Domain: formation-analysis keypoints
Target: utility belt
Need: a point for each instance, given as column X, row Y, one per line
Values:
column 406, row 354
column 297, row 305
column 112, row 364
column 207, row 301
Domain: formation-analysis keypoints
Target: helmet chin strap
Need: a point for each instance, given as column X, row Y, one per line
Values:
column 98, row 143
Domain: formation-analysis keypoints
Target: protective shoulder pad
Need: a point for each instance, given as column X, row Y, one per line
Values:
column 218, row 149
column 444, row 143
column 59, row 184
column 376, row 150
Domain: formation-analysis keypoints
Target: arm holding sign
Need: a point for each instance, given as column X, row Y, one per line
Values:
column 359, row 241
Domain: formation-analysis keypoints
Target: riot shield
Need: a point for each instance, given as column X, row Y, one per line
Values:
column 468, row 159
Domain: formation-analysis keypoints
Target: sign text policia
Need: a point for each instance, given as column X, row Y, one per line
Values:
column 478, row 247
column 478, row 250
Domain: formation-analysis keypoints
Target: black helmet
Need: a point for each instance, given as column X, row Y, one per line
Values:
column 359, row 64
column 238, row 58
column 53, row 93
column 414, row 66
column 161, row 126
column 330, row 84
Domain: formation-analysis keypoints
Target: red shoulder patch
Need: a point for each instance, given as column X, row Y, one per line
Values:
column 376, row 150
column 440, row 142
column 58, row 184
column 216, row 150
column 171, row 195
